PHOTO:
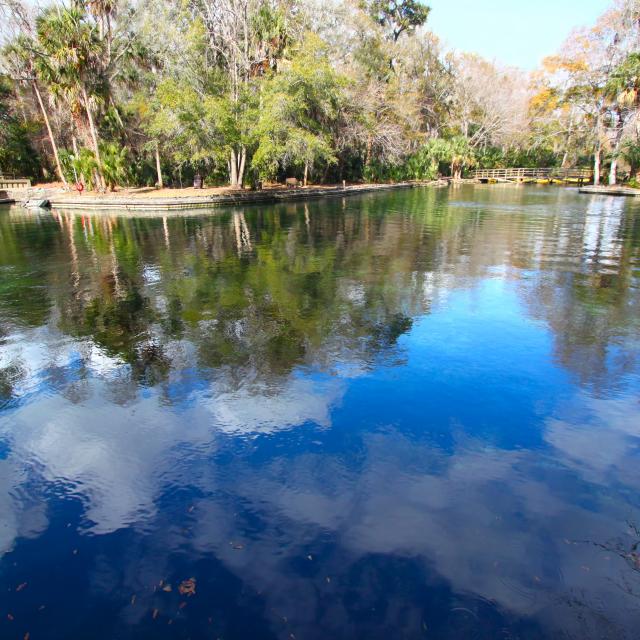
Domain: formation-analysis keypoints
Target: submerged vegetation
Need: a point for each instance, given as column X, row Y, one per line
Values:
column 144, row 92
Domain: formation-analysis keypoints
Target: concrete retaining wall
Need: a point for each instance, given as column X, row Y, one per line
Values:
column 111, row 203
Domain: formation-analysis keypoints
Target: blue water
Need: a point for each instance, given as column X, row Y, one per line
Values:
column 403, row 415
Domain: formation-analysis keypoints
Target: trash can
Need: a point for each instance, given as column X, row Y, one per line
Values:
column 197, row 181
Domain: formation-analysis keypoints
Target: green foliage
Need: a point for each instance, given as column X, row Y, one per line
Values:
column 624, row 82
column 397, row 15
column 17, row 155
column 70, row 50
column 199, row 130
column 252, row 90
column 115, row 164
column 299, row 108
column 424, row 163
column 492, row 158
column 271, row 29
column 436, row 156
column 80, row 167
column 631, row 153
column 497, row 158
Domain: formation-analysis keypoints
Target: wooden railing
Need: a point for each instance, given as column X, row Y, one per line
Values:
column 10, row 182
column 527, row 173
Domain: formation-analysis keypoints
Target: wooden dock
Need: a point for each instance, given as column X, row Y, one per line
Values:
column 4, row 198
column 611, row 190
column 544, row 175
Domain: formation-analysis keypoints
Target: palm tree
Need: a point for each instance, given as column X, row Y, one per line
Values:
column 20, row 54
column 461, row 155
column 114, row 165
column 623, row 94
column 104, row 11
column 70, row 63
column 631, row 153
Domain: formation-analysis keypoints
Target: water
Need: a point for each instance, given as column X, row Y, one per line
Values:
column 402, row 415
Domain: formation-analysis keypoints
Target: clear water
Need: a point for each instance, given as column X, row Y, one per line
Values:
column 403, row 415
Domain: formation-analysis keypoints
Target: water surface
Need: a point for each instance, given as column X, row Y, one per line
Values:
column 403, row 415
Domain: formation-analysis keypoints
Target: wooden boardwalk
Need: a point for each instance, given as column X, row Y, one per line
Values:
column 528, row 174
column 606, row 190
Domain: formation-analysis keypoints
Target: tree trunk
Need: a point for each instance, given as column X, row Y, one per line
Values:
column 613, row 171
column 99, row 182
column 615, row 152
column 94, row 137
column 306, row 173
column 367, row 156
column 158, row 167
column 243, row 158
column 237, row 162
column 234, row 169
column 74, row 144
column 597, row 152
column 54, row 147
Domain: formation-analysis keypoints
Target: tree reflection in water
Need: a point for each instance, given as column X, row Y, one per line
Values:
column 402, row 415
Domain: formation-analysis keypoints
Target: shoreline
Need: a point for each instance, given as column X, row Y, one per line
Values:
column 187, row 202
column 148, row 201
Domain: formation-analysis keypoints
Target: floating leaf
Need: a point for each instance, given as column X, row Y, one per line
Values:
column 188, row 587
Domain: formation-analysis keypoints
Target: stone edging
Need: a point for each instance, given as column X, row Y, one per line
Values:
column 204, row 202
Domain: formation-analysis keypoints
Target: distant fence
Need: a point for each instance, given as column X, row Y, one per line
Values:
column 527, row 174
column 10, row 182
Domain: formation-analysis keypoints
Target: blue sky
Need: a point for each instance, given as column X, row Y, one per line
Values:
column 513, row 32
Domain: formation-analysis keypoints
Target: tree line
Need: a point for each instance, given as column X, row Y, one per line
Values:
column 152, row 92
